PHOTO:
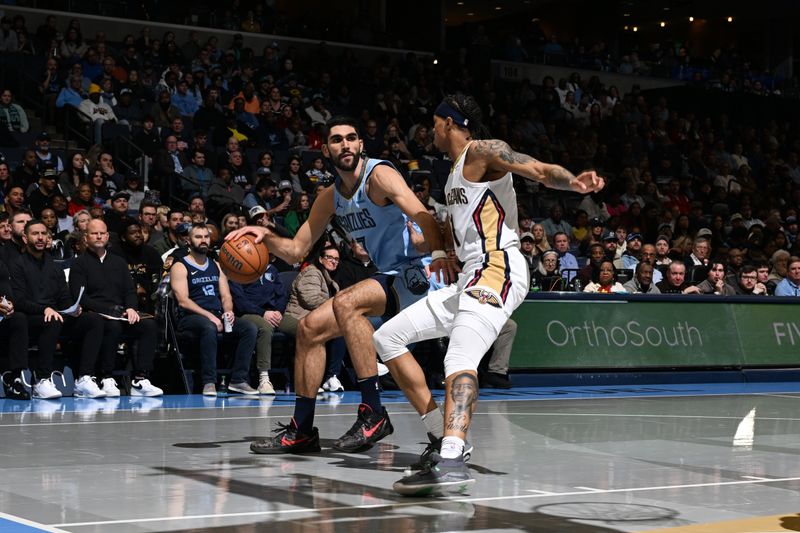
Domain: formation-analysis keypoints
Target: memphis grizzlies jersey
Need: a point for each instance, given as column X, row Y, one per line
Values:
column 203, row 282
column 483, row 216
column 381, row 230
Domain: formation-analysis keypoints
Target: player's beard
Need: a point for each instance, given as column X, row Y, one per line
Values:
column 347, row 168
column 199, row 250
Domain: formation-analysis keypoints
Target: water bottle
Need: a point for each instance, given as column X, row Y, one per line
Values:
column 227, row 323
column 577, row 285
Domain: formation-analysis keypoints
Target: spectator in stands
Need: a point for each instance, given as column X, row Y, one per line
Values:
column 230, row 222
column 262, row 303
column 168, row 166
column 128, row 110
column 43, row 153
column 8, row 36
column 790, row 285
column 116, row 217
column 14, row 336
column 239, row 170
column 202, row 292
column 546, row 277
column 147, row 138
column 526, row 248
column 556, row 224
column 568, row 264
column 12, row 116
column 148, row 221
column 83, row 199
column 71, row 95
column 40, row 196
column 169, row 238
column 605, row 280
column 133, row 187
column 701, row 251
column 74, row 175
column 109, row 290
column 96, row 112
column 41, row 289
column 675, row 280
column 297, row 214
column 735, row 262
column 197, row 177
column 747, row 282
column 183, row 101
column 540, row 241
column 581, row 231
column 58, row 202
column 163, row 112
column 715, row 281
column 662, row 251
column 780, row 265
column 314, row 286
column 224, row 195
column 610, row 247
column 642, row 282
column 318, row 174
column 27, row 173
column 633, row 249
column 144, row 263
column 316, row 112
column 422, row 188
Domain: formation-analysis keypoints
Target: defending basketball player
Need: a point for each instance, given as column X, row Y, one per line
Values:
column 372, row 202
column 482, row 208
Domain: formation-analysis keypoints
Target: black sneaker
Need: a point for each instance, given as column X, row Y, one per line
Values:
column 370, row 427
column 435, row 446
column 442, row 475
column 15, row 390
column 493, row 380
column 288, row 440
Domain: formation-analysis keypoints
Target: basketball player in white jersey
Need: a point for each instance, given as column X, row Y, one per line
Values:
column 482, row 208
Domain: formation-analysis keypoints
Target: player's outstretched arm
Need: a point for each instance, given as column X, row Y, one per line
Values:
column 392, row 187
column 498, row 157
column 296, row 249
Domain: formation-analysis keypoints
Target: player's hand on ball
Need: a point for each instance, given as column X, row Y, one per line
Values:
column 258, row 232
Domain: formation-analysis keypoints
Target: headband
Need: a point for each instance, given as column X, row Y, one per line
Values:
column 445, row 110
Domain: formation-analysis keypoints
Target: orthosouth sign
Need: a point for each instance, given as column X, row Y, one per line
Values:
column 638, row 333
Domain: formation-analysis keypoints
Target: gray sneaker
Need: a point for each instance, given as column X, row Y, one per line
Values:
column 441, row 475
column 209, row 389
column 434, row 447
column 242, row 388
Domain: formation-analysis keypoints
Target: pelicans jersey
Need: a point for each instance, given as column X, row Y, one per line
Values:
column 483, row 216
column 382, row 232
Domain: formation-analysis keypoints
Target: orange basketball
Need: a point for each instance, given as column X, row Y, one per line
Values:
column 242, row 260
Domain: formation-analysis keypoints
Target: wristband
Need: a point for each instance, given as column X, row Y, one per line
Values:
column 438, row 254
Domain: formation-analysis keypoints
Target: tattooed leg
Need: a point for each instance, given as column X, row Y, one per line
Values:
column 461, row 398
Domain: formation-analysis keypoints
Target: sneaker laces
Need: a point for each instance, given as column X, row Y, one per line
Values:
column 282, row 429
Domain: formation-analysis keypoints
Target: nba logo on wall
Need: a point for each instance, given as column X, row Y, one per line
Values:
column 484, row 297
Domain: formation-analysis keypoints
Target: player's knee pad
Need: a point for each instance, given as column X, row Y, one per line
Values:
column 390, row 340
column 470, row 339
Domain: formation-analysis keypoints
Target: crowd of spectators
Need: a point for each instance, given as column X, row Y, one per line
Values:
column 231, row 136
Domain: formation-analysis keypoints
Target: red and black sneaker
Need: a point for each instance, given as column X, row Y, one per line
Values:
column 288, row 440
column 370, row 427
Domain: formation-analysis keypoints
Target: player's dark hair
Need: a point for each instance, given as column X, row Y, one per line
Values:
column 339, row 120
column 468, row 106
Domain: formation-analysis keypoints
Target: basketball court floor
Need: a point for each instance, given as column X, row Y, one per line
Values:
column 675, row 458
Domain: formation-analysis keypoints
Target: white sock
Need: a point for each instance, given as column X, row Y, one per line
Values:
column 452, row 448
column 434, row 422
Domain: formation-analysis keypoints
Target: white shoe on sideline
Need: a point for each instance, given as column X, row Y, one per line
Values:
column 86, row 387
column 45, row 389
column 333, row 385
column 110, row 387
column 265, row 385
column 143, row 387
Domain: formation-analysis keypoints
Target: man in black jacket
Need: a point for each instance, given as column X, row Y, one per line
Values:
column 144, row 263
column 41, row 289
column 14, row 335
column 109, row 290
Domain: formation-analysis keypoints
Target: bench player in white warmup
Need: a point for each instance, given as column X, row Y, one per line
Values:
column 482, row 208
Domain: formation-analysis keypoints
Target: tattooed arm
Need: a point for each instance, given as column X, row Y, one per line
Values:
column 494, row 157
